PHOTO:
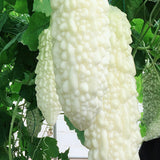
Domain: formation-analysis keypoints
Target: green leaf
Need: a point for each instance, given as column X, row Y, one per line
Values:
column 151, row 102
column 28, row 92
column 3, row 19
column 16, row 87
column 64, row 156
column 25, row 64
column 21, row 6
column 49, row 147
column 137, row 25
column 38, row 22
column 18, row 70
column 4, row 99
column 128, row 6
column 80, row 134
column 14, row 97
column 42, row 148
column 15, row 23
column 139, row 88
column 7, row 56
column 42, row 6
column 34, row 148
column 10, row 43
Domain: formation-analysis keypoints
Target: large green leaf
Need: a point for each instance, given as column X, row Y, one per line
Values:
column 49, row 146
column 42, row 6
column 151, row 102
column 38, row 22
column 43, row 148
column 128, row 6
column 38, row 148
column 21, row 6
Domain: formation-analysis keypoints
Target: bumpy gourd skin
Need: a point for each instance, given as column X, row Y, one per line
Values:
column 115, row 135
column 81, row 36
column 47, row 99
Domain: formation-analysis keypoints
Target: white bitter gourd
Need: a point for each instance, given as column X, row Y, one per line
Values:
column 80, row 58
column 115, row 135
column 47, row 99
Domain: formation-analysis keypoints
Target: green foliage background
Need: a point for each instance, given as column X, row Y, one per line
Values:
column 21, row 22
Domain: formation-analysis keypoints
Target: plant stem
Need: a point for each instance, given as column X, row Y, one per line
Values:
column 150, row 18
column 158, row 45
column 157, row 42
column 155, row 34
column 146, row 32
column 141, row 38
column 11, row 128
column 143, row 48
